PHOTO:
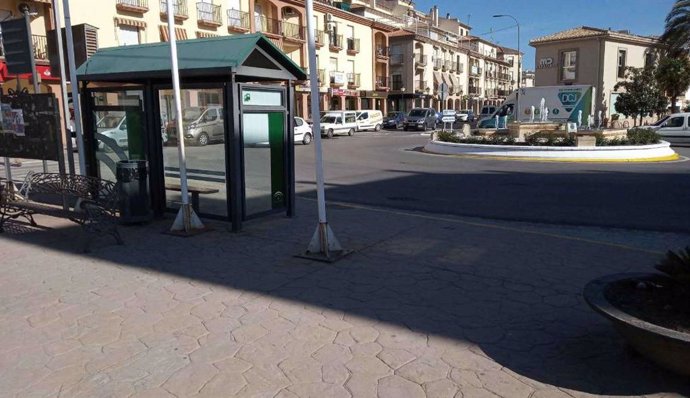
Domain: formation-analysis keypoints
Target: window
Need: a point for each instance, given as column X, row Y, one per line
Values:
column 128, row 35
column 675, row 122
column 334, row 64
column 649, row 59
column 622, row 55
column 298, row 122
column 569, row 65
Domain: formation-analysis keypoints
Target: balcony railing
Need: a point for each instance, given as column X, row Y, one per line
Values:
column 334, row 78
column 396, row 59
column 352, row 45
column 208, row 14
column 420, row 85
column 319, row 37
column 447, row 66
column 473, row 90
column 382, row 51
column 268, row 25
column 504, row 93
column 460, row 68
column 438, row 63
column 40, row 46
column 397, row 85
column 353, row 79
column 381, row 82
column 420, row 60
column 140, row 6
column 335, row 42
column 294, row 31
column 504, row 76
column 238, row 20
column 179, row 8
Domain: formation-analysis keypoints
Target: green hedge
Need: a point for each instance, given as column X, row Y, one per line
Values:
column 635, row 136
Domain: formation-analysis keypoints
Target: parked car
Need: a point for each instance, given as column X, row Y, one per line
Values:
column 420, row 118
column 338, row 122
column 487, row 111
column 302, row 131
column 394, row 120
column 369, row 120
column 674, row 128
column 202, row 125
column 465, row 115
column 112, row 129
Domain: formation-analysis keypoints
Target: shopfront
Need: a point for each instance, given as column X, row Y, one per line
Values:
column 237, row 106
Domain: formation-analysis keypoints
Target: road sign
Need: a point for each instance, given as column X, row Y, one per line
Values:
column 443, row 91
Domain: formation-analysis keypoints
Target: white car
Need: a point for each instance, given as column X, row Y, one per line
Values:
column 302, row 131
column 114, row 127
column 338, row 122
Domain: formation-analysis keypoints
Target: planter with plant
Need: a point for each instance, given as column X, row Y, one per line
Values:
column 651, row 311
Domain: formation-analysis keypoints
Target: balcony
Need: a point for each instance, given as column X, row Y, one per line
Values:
column 397, row 85
column 353, row 80
column 460, row 68
column 136, row 6
column 396, row 59
column 179, row 9
column 382, row 52
column 238, row 21
column 40, row 47
column 473, row 90
column 420, row 60
column 335, row 42
column 420, row 85
column 381, row 82
column 504, row 77
column 319, row 37
column 438, row 63
column 322, row 75
column 268, row 25
column 293, row 31
column 352, row 46
column 504, row 93
column 337, row 79
column 475, row 71
column 208, row 14
column 447, row 66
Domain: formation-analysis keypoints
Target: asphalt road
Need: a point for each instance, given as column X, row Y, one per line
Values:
column 387, row 169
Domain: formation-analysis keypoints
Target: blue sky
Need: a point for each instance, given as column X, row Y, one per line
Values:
column 541, row 17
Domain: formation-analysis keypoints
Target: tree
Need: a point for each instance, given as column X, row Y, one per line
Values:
column 677, row 31
column 642, row 95
column 673, row 76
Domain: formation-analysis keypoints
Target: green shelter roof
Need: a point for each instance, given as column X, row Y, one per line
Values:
column 209, row 57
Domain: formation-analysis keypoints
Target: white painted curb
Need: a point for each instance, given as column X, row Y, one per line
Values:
column 638, row 152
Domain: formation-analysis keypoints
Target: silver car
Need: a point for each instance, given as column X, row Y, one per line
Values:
column 202, row 125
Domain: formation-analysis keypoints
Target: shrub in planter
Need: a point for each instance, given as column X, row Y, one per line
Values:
column 641, row 136
column 447, row 136
column 543, row 138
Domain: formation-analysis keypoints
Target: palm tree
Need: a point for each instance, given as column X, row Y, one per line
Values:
column 673, row 76
column 677, row 32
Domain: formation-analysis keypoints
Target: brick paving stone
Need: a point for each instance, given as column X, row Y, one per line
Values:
column 190, row 379
column 224, row 384
column 442, row 388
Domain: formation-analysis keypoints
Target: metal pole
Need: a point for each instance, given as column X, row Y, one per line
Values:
column 323, row 241
column 75, row 89
column 24, row 9
column 63, row 87
column 186, row 220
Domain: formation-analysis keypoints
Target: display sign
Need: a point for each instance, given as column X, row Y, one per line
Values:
column 29, row 126
column 339, row 77
column 546, row 62
column 343, row 92
column 262, row 97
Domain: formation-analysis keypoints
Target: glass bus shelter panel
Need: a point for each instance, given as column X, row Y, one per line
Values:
column 119, row 136
column 264, row 162
column 204, row 137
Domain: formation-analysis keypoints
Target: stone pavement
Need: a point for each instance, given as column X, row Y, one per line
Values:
column 426, row 306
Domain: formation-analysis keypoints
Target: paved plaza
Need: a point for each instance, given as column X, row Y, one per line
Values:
column 426, row 306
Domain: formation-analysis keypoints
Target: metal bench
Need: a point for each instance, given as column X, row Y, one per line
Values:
column 193, row 190
column 88, row 201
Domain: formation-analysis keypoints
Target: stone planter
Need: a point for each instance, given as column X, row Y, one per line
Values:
column 666, row 347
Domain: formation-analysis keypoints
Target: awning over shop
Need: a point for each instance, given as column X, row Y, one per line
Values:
column 250, row 55
column 437, row 78
column 456, row 83
column 43, row 71
column 446, row 79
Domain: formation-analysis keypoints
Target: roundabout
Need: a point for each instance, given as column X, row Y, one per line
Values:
column 661, row 152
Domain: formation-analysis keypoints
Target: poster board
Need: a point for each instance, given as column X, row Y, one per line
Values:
column 29, row 126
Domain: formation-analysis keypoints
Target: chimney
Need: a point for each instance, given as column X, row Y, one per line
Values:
column 448, row 15
column 434, row 10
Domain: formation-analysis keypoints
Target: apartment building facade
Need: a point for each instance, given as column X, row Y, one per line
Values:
column 592, row 56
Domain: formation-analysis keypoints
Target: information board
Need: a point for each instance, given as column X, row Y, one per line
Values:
column 29, row 126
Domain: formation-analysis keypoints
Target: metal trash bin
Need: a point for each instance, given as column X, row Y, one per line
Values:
column 132, row 184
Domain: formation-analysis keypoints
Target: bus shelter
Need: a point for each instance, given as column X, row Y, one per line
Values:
column 237, row 112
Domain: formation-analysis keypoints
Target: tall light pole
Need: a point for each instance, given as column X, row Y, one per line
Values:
column 519, row 58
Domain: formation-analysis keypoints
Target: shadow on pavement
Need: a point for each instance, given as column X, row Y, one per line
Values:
column 515, row 298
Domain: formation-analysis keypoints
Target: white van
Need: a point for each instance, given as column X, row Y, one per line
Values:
column 369, row 120
column 674, row 128
column 338, row 122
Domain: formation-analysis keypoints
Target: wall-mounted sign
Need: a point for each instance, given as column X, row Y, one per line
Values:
column 29, row 126
column 342, row 92
column 339, row 77
column 546, row 62
column 261, row 97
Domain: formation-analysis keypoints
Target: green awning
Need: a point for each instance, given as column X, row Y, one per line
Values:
column 210, row 57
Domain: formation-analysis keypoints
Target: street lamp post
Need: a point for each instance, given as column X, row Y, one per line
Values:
column 519, row 58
